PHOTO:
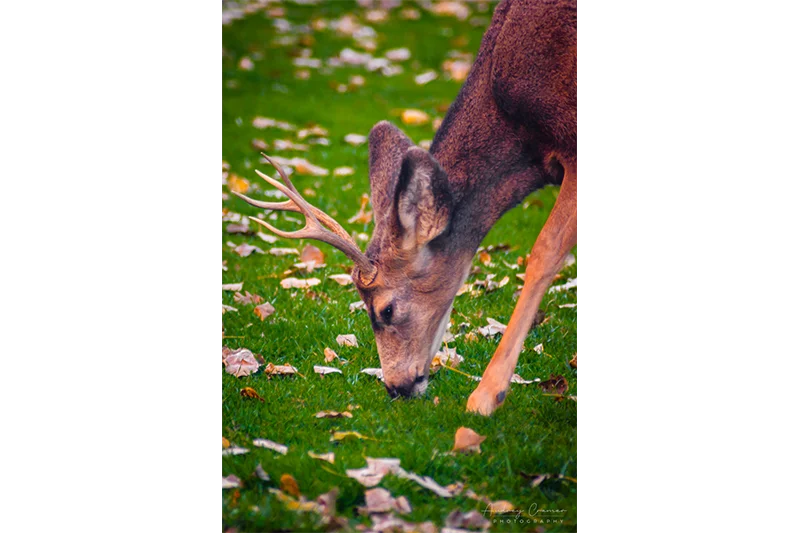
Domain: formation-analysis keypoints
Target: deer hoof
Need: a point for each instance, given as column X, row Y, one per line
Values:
column 484, row 402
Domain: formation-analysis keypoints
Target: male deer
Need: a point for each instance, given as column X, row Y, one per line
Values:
column 511, row 130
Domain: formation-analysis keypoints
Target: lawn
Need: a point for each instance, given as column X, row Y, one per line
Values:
column 532, row 433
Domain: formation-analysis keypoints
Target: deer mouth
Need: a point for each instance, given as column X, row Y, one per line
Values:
column 411, row 389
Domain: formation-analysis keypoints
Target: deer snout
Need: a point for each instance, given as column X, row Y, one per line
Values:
column 407, row 389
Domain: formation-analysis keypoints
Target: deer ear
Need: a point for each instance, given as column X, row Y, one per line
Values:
column 423, row 200
column 387, row 146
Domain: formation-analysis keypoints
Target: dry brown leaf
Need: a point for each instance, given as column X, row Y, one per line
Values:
column 574, row 361
column 264, row 310
column 341, row 279
column 272, row 370
column 225, row 443
column 467, row 441
column 446, row 357
column 500, row 506
column 312, row 254
column 244, row 249
column 232, row 286
column 347, row 340
column 231, row 482
column 237, row 183
column 271, row 445
column 235, row 450
column 330, row 457
column 377, row 372
column 362, row 216
column 334, row 414
column 355, row 139
column 289, row 484
column 380, row 501
column 228, row 308
column 470, row 520
column 240, row 363
column 322, row 370
column 260, row 473
column 358, row 306
column 485, row 258
column 414, row 117
column 294, row 283
column 555, row 385
column 330, row 355
column 373, row 473
column 250, row 393
column 493, row 328
column 516, row 378
column 247, row 298
column 283, row 251
column 340, row 172
column 435, row 400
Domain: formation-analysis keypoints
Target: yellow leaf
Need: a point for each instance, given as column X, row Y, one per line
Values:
column 225, row 443
column 237, row 184
column 341, row 435
column 414, row 117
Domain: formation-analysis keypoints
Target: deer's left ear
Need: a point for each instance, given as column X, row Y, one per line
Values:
column 423, row 202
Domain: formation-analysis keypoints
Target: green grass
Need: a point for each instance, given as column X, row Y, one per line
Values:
column 530, row 433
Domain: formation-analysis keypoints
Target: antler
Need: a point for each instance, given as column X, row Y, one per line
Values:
column 315, row 220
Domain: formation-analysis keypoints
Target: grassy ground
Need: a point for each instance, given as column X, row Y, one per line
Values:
column 531, row 433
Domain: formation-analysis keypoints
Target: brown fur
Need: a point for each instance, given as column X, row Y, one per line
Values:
column 511, row 130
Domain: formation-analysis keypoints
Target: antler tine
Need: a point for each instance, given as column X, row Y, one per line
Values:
column 326, row 220
column 287, row 205
column 315, row 219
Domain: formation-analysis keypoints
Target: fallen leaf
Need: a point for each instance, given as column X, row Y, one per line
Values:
column 247, row 298
column 334, row 414
column 556, row 384
column 235, row 450
column 568, row 306
column 341, row 279
column 322, row 370
column 446, row 357
column 458, row 69
column 330, row 457
column 426, row 482
column 377, row 372
column 271, row 370
column 266, row 237
column 493, row 328
column 362, row 216
column 414, row 117
column 237, row 183
column 250, row 393
column 373, row 473
column 347, row 340
column 294, row 283
column 570, row 284
column 293, row 505
column 312, row 254
column 341, row 435
column 231, row 482
column 435, row 400
column 260, row 473
column 330, row 355
column 241, row 362
column 426, row 77
column 539, row 348
column 340, row 172
column 380, row 500
column 232, row 286
column 225, row 443
column 283, row 251
column 355, row 139
column 485, row 258
column 574, row 361
column 501, row 506
column 228, row 308
column 470, row 520
column 516, row 378
column 289, row 484
column 304, row 168
column 245, row 249
column 467, row 441
column 356, row 306
column 264, row 310
column 315, row 131
column 285, row 144
column 271, row 445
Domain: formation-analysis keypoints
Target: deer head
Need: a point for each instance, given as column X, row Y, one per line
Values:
column 412, row 270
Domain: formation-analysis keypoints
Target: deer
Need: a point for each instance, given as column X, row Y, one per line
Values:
column 511, row 130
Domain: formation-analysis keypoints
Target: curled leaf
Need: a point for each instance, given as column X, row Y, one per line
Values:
column 250, row 393
column 347, row 340
column 467, row 441
column 240, row 363
column 334, row 414
column 264, row 310
column 289, row 484
column 271, row 445
column 329, row 457
column 322, row 370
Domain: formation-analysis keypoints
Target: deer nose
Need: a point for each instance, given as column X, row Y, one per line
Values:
column 406, row 389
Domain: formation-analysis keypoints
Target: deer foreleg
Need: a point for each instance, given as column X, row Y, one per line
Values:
column 559, row 235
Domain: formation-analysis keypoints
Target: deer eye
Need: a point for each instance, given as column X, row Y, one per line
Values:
column 386, row 314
